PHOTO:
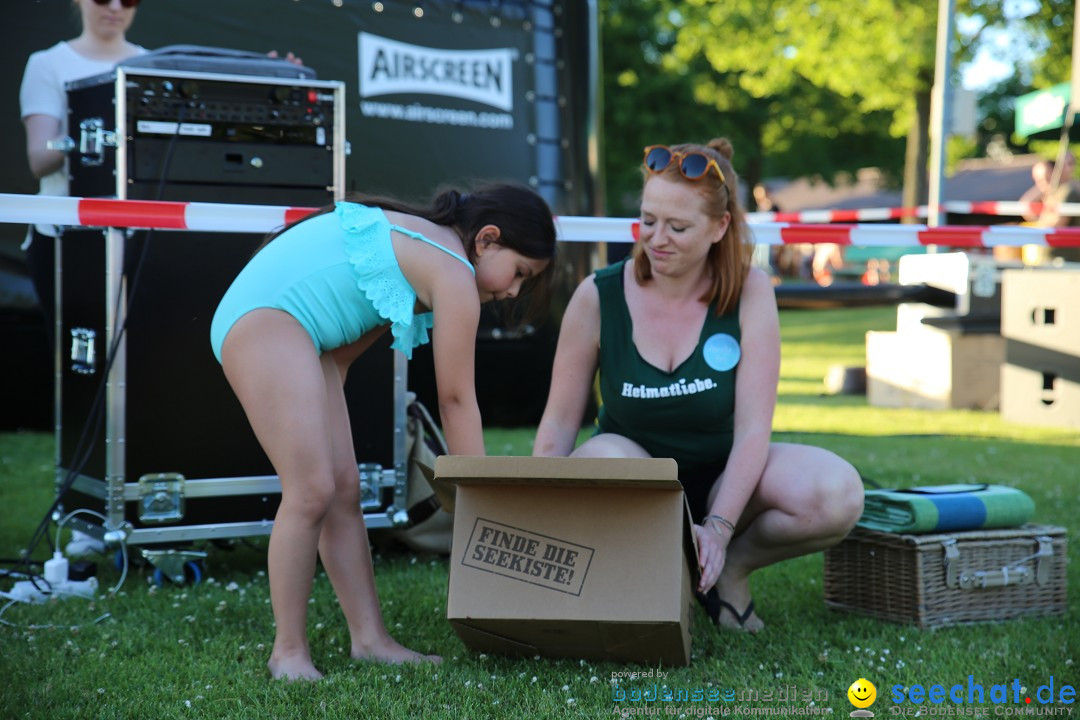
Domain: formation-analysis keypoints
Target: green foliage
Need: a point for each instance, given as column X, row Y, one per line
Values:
column 844, row 75
column 1043, row 32
column 958, row 148
column 874, row 52
column 662, row 84
column 1055, row 18
column 1049, row 148
column 997, row 115
column 646, row 103
column 1044, row 29
column 801, row 87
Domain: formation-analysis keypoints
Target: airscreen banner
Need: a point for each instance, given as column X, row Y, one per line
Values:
column 444, row 97
column 388, row 67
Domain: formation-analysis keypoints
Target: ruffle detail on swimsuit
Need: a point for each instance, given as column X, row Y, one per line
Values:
column 371, row 253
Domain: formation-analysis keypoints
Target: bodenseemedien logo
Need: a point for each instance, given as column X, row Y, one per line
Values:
column 862, row 694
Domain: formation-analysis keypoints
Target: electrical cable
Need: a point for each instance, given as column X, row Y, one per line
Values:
column 19, row 575
column 111, row 591
column 123, row 544
column 48, row 626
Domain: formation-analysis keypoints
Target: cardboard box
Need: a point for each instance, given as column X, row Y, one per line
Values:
column 569, row 557
column 933, row 369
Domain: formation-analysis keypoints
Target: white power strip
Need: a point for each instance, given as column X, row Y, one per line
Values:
column 24, row 590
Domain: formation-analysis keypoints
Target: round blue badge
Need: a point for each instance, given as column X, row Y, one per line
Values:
column 721, row 352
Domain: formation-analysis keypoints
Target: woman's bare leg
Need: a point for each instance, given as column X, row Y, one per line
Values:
column 610, row 445
column 343, row 544
column 272, row 366
column 807, row 500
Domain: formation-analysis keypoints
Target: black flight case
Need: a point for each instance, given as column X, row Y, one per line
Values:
column 149, row 434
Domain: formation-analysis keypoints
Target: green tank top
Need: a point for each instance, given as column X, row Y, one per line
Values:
column 688, row 413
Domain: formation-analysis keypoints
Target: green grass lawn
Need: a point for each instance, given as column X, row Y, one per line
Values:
column 199, row 651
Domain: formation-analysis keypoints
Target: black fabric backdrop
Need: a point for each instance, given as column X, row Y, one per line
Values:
column 551, row 105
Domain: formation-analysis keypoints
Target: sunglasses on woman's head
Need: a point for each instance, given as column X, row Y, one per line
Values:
column 123, row 3
column 693, row 165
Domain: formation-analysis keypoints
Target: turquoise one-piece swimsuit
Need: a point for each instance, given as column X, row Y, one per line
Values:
column 336, row 274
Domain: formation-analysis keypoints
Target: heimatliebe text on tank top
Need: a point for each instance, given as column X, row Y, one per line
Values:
column 680, row 387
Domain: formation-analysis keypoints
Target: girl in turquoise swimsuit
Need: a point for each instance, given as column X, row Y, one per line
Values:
column 309, row 303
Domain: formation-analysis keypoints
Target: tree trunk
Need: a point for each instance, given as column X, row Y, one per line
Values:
column 916, row 181
column 754, row 171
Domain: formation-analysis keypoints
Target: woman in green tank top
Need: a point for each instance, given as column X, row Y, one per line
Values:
column 686, row 338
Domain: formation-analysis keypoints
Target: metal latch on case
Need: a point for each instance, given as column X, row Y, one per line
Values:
column 93, row 139
column 83, row 352
column 161, row 497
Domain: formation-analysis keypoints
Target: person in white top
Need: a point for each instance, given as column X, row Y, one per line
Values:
column 43, row 104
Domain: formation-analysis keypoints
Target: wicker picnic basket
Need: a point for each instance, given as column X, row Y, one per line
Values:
column 947, row 579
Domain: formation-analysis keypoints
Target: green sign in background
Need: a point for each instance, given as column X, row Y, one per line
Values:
column 1042, row 110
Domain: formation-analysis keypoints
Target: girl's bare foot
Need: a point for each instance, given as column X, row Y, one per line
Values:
column 390, row 651
column 292, row 668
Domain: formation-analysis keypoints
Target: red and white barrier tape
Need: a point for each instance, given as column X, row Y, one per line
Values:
column 588, row 229
column 838, row 216
column 956, row 236
column 955, row 207
column 96, row 212
column 216, row 217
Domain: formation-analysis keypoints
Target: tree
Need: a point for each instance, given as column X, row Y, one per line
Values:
column 645, row 103
column 1042, row 41
column 812, row 86
column 1042, row 38
column 877, row 55
column 657, row 88
column 997, row 115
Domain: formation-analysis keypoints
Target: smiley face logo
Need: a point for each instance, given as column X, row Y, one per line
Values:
column 862, row 693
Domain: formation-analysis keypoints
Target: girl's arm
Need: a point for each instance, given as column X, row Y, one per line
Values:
column 756, row 380
column 456, row 306
column 572, row 374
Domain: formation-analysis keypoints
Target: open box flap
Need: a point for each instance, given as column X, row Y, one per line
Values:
column 630, row 473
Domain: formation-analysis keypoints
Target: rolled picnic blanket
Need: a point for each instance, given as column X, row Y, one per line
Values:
column 943, row 508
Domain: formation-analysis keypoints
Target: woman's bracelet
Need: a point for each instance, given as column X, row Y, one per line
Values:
column 723, row 521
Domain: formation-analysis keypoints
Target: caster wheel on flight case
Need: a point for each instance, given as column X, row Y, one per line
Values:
column 193, row 574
